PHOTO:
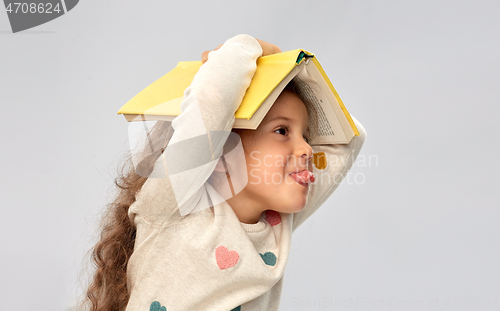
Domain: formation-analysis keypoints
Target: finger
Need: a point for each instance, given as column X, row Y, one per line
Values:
column 268, row 48
column 204, row 55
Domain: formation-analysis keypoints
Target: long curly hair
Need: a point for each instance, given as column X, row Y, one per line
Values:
column 107, row 290
column 108, row 287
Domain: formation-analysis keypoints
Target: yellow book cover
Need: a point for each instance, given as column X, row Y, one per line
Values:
column 162, row 99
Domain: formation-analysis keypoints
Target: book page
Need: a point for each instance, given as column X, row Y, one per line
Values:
column 325, row 126
column 317, row 115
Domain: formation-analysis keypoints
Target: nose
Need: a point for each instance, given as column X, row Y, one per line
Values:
column 304, row 152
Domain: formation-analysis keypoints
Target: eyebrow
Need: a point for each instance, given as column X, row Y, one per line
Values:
column 287, row 119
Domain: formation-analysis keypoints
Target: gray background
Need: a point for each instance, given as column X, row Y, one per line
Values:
column 418, row 225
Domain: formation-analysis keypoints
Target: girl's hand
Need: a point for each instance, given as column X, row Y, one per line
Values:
column 267, row 49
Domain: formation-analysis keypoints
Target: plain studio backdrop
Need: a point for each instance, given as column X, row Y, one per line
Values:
column 413, row 227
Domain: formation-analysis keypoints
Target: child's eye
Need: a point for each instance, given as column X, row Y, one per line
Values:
column 283, row 129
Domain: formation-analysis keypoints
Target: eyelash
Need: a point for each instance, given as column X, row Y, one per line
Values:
column 286, row 128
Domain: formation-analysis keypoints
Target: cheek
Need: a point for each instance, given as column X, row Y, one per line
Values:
column 253, row 160
column 265, row 158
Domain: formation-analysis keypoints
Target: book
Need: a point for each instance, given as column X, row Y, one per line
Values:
column 330, row 120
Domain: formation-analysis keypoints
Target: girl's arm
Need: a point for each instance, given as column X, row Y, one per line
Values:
column 339, row 158
column 200, row 132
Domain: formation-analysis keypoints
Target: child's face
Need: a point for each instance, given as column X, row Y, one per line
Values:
column 272, row 153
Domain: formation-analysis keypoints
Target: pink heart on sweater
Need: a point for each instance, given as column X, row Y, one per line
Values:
column 273, row 217
column 225, row 258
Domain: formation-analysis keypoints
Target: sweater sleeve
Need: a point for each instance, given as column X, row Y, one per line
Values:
column 200, row 132
column 339, row 160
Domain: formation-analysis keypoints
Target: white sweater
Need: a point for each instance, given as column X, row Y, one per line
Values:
column 190, row 257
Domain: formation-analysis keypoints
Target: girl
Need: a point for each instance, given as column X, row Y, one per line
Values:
column 199, row 226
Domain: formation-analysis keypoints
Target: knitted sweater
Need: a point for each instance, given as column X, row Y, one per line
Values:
column 190, row 257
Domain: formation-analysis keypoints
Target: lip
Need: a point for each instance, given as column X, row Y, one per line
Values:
column 304, row 185
column 300, row 183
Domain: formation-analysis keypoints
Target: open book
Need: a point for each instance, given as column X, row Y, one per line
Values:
column 329, row 120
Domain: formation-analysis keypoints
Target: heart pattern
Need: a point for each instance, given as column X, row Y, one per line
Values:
column 226, row 258
column 269, row 258
column 156, row 306
column 273, row 217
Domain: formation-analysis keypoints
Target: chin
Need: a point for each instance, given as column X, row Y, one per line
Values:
column 290, row 202
column 300, row 209
column 295, row 208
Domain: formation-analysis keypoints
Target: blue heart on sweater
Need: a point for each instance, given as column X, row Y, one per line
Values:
column 269, row 258
column 156, row 306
